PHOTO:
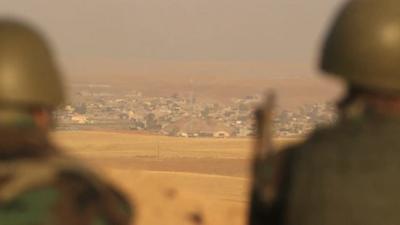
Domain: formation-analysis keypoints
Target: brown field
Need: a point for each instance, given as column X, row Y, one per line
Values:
column 171, row 180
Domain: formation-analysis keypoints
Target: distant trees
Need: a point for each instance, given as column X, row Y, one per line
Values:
column 151, row 122
column 205, row 112
column 137, row 125
column 81, row 108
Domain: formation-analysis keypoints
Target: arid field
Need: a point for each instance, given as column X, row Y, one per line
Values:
column 171, row 180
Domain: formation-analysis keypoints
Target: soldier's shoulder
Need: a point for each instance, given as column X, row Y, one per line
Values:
column 76, row 175
column 72, row 181
column 326, row 136
column 74, row 172
column 91, row 189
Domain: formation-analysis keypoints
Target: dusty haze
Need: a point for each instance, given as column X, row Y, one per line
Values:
column 99, row 40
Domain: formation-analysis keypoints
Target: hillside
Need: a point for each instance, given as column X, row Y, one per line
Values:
column 296, row 84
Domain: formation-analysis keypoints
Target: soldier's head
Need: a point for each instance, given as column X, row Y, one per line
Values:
column 30, row 83
column 363, row 48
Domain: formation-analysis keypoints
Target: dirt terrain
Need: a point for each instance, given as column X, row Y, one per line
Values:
column 171, row 180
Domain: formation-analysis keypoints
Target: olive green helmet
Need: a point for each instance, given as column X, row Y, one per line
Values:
column 363, row 45
column 29, row 76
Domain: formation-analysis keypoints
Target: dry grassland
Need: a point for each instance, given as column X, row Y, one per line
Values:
column 171, row 180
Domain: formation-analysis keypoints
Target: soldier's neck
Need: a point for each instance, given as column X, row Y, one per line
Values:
column 360, row 101
column 24, row 143
column 383, row 105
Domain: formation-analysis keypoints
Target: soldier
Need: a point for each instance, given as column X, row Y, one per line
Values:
column 38, row 184
column 348, row 173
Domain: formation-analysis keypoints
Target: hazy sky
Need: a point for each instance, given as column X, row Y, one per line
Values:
column 88, row 30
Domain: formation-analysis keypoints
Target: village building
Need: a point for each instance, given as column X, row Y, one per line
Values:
column 80, row 119
column 177, row 115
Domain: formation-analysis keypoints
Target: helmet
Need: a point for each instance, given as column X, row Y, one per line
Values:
column 29, row 76
column 363, row 45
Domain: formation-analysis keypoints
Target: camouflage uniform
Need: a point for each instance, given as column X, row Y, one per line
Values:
column 38, row 184
column 347, row 173
column 341, row 175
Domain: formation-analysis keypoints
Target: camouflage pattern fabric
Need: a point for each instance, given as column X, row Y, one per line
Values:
column 52, row 189
column 344, row 175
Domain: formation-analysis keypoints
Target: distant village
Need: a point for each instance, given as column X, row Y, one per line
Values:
column 93, row 107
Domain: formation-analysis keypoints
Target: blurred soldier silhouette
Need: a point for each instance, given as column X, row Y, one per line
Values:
column 348, row 173
column 38, row 184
